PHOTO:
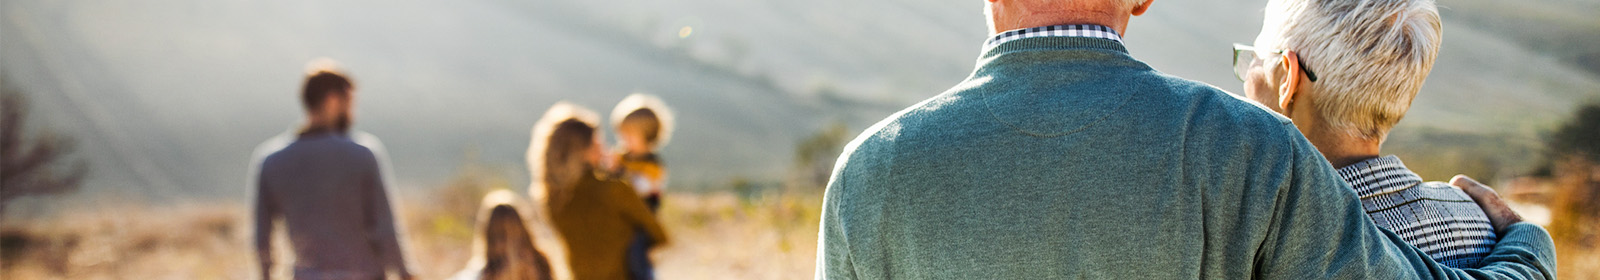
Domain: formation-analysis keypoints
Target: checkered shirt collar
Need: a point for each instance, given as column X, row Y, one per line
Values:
column 1378, row 176
column 1075, row 30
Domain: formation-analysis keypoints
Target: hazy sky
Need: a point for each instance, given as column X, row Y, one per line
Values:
column 168, row 97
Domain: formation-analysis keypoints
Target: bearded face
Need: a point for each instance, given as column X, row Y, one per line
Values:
column 342, row 121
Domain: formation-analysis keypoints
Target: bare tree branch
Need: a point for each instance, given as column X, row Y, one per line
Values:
column 36, row 165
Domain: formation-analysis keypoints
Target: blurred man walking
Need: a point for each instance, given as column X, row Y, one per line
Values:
column 328, row 188
column 1062, row 156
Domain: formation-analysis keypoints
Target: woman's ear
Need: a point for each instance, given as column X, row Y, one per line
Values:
column 1289, row 83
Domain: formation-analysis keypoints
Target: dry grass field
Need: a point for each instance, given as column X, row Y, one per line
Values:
column 715, row 236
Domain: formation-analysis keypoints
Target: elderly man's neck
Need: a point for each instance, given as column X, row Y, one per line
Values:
column 1013, row 20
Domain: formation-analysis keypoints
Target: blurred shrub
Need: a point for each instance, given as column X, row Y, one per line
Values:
column 1574, row 151
column 1579, row 137
column 451, row 208
column 1438, row 154
column 117, row 241
column 814, row 156
column 32, row 165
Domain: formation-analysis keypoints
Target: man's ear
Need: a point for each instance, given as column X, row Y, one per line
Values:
column 1141, row 8
column 333, row 103
column 1289, row 86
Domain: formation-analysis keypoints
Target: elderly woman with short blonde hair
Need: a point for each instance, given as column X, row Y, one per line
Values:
column 1345, row 72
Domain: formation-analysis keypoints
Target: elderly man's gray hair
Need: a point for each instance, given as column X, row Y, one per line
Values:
column 1371, row 56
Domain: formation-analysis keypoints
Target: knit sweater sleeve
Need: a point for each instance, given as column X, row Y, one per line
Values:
column 833, row 252
column 1319, row 229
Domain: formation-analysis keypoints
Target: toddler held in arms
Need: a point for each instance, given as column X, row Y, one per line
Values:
column 643, row 125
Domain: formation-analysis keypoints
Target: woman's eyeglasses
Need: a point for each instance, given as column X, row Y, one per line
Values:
column 1245, row 56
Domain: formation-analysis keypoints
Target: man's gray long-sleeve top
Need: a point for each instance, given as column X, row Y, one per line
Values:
column 329, row 191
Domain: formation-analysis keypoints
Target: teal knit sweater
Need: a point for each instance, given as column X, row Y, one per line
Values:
column 1063, row 157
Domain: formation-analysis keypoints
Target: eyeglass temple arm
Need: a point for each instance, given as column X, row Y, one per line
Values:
column 1303, row 68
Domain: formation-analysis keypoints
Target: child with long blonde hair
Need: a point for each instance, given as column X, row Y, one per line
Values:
column 503, row 248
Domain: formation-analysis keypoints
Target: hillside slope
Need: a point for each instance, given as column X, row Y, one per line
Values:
column 170, row 96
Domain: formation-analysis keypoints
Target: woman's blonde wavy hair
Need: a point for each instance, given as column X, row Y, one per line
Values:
column 556, row 152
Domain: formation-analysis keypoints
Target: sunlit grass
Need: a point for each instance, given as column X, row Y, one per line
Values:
column 719, row 235
column 715, row 236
